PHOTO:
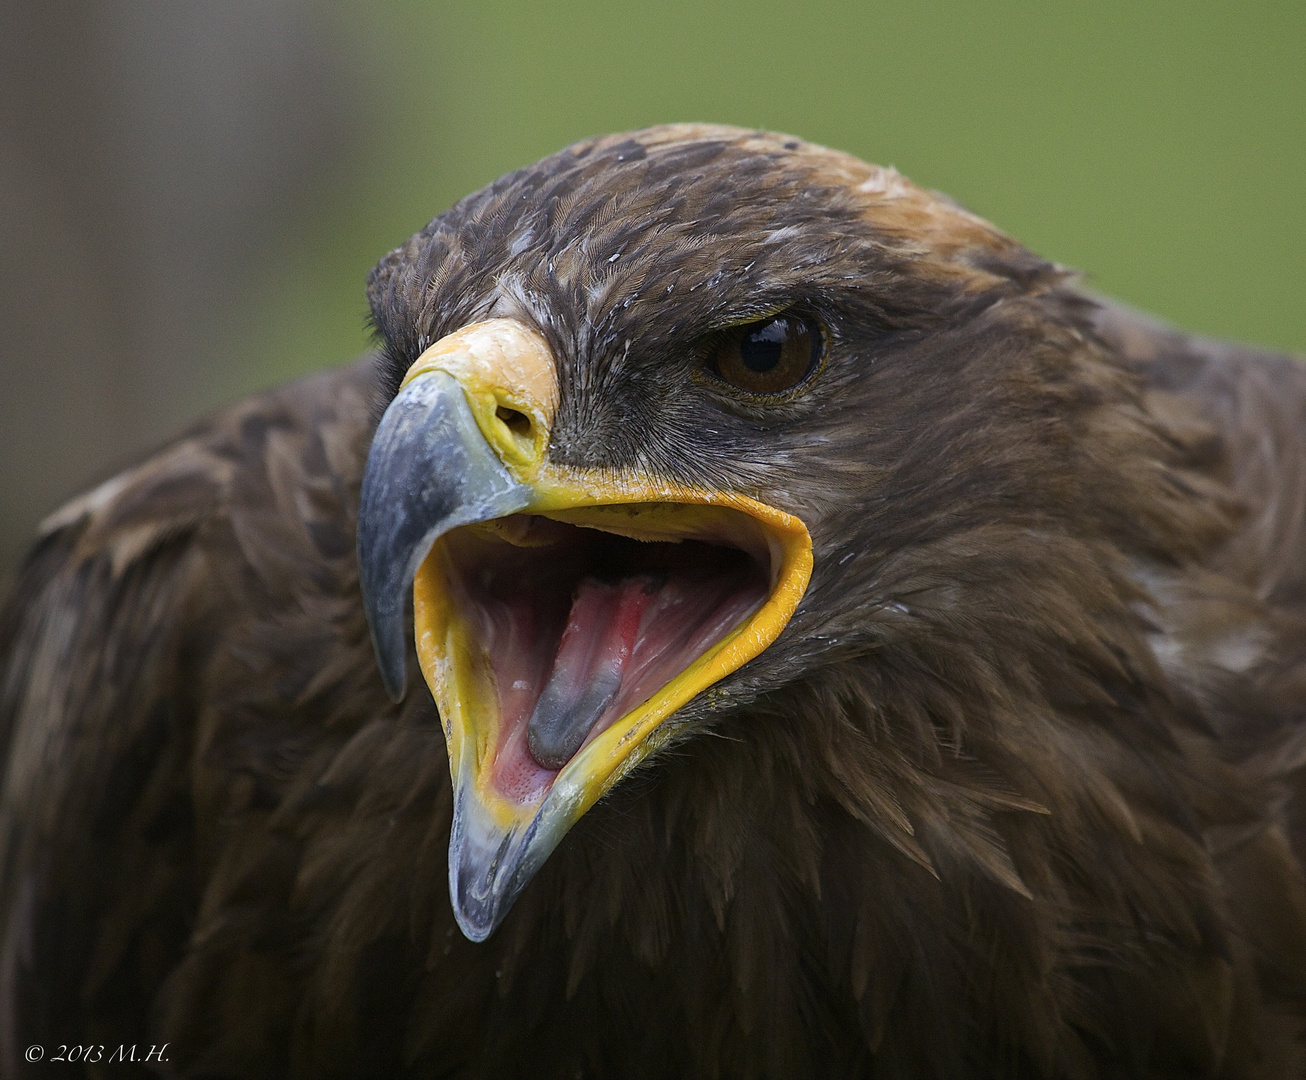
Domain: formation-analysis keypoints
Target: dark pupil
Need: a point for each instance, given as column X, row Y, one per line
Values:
column 760, row 351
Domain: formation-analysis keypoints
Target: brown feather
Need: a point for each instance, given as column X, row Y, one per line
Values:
column 1018, row 793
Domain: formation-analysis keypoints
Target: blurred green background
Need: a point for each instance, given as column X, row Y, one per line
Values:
column 1159, row 147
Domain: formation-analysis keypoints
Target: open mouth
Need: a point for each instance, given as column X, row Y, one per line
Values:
column 562, row 615
column 559, row 643
column 565, row 624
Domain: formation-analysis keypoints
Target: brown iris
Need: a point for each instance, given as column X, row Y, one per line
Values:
column 769, row 357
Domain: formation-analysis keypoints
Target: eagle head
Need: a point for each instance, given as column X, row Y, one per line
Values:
column 704, row 429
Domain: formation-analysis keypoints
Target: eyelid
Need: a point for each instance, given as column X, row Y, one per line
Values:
column 757, row 315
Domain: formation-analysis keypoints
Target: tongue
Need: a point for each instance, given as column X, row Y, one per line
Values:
column 587, row 672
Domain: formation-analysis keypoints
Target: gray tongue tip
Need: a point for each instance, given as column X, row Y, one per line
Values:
column 588, row 669
column 561, row 720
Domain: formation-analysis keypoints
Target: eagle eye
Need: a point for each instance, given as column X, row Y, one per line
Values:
column 769, row 357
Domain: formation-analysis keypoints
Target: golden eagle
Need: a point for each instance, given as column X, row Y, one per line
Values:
column 750, row 618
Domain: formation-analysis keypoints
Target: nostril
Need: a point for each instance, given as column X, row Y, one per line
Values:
column 518, row 422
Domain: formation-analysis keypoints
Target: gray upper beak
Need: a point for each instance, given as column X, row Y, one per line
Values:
column 429, row 470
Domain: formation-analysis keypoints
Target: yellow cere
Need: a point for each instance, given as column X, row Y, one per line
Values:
column 502, row 366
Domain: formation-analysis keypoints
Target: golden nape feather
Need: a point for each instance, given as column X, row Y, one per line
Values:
column 749, row 618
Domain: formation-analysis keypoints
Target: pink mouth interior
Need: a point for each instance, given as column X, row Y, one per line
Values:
column 593, row 622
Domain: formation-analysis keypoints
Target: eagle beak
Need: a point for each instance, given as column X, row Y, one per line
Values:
column 561, row 615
